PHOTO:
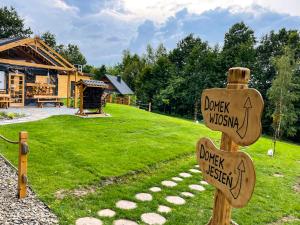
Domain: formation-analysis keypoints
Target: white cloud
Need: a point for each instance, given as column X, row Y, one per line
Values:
column 160, row 10
column 102, row 28
column 60, row 4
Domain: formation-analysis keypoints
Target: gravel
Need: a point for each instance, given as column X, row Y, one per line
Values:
column 13, row 211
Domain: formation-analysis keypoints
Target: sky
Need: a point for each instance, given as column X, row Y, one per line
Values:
column 104, row 28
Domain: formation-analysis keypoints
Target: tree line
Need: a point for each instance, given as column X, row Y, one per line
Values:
column 173, row 80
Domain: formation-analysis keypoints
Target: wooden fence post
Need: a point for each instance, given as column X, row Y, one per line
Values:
column 76, row 91
column 22, row 165
column 238, row 78
column 149, row 107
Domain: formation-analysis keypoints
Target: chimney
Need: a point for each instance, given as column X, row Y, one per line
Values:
column 119, row 78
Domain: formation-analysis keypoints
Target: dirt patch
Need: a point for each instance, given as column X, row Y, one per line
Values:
column 296, row 187
column 80, row 192
column 277, row 174
column 284, row 220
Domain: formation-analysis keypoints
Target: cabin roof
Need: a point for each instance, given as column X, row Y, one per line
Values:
column 119, row 84
column 32, row 53
column 4, row 41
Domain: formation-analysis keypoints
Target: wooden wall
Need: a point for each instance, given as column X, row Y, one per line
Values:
column 41, row 79
column 62, row 83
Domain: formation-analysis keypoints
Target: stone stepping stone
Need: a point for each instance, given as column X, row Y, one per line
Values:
column 203, row 182
column 106, row 213
column 196, row 187
column 187, row 194
column 88, row 221
column 144, row 197
column 185, row 175
column 124, row 222
column 164, row 209
column 155, row 189
column 176, row 200
column 195, row 171
column 196, row 166
column 168, row 183
column 153, row 219
column 177, row 179
column 127, row 205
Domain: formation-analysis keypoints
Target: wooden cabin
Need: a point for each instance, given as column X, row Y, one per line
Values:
column 117, row 86
column 31, row 71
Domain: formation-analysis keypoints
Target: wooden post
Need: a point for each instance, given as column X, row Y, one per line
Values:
column 22, row 165
column 149, row 107
column 81, row 99
column 68, row 90
column 129, row 99
column 75, row 89
column 238, row 78
column 110, row 98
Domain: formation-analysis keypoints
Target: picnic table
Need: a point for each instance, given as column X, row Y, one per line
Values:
column 41, row 99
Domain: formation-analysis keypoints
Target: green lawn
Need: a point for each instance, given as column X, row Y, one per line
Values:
column 141, row 149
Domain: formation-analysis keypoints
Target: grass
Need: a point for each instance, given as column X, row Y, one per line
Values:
column 143, row 148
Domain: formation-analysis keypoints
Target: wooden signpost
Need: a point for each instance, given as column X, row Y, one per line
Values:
column 236, row 112
column 231, row 110
column 233, row 173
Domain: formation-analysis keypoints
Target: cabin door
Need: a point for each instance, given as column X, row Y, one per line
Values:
column 16, row 89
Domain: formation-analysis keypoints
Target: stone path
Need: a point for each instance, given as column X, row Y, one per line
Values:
column 150, row 218
column 127, row 205
column 144, row 197
column 29, row 210
column 34, row 113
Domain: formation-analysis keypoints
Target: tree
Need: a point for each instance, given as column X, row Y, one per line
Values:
column 49, row 39
column 72, row 54
column 11, row 24
column 271, row 45
column 238, row 49
column 99, row 72
column 131, row 66
column 88, row 68
column 282, row 95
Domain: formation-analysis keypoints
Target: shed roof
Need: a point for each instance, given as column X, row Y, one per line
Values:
column 92, row 83
column 119, row 84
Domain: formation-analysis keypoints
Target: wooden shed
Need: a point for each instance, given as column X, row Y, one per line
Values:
column 91, row 94
column 30, row 70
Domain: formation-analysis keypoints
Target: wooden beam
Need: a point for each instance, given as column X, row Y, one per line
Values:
column 68, row 90
column 55, row 53
column 41, row 55
column 36, row 65
column 16, row 43
column 25, row 54
column 49, row 54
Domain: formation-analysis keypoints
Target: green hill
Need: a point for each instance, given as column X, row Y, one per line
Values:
column 115, row 157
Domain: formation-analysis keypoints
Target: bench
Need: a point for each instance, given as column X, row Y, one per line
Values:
column 41, row 99
column 4, row 100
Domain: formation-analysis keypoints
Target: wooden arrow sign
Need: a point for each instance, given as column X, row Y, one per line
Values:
column 231, row 172
column 234, row 112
